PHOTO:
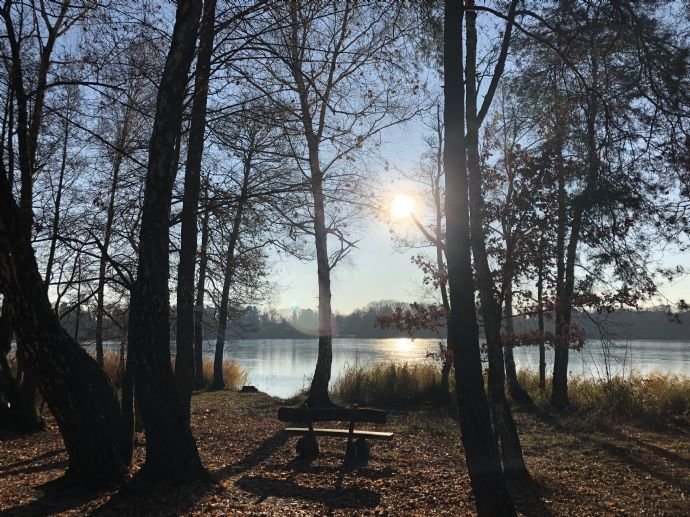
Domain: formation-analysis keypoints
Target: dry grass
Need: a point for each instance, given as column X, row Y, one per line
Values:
column 390, row 384
column 233, row 374
column 111, row 367
column 651, row 397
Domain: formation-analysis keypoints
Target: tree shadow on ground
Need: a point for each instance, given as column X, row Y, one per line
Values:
column 528, row 497
column 671, row 456
column 58, row 495
column 635, row 458
column 146, row 497
column 261, row 453
column 35, row 464
column 333, row 498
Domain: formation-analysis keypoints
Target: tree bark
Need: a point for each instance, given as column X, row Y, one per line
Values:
column 76, row 390
column 318, row 391
column 199, row 306
column 218, row 382
column 58, row 206
column 108, row 232
column 481, row 453
column 540, row 316
column 517, row 392
column 171, row 452
column 513, row 462
column 184, row 358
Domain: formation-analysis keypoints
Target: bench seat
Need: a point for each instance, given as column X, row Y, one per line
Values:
column 374, row 435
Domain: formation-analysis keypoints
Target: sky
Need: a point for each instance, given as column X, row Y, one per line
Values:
column 377, row 270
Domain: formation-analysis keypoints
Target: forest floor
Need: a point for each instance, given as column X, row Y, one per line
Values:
column 579, row 466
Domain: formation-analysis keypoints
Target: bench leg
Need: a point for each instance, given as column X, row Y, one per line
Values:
column 306, row 447
column 357, row 454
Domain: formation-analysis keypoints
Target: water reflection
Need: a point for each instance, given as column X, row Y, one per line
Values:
column 282, row 367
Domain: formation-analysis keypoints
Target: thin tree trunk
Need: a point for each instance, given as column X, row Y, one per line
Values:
column 513, row 462
column 58, row 206
column 540, row 316
column 199, row 307
column 107, row 233
column 517, row 392
column 481, row 453
column 171, row 452
column 127, row 406
column 218, row 382
column 77, row 311
column 447, row 359
column 184, row 359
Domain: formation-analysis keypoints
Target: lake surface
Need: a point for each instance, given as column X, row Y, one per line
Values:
column 281, row 367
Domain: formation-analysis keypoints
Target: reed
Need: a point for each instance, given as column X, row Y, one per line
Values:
column 390, row 384
column 233, row 374
column 653, row 396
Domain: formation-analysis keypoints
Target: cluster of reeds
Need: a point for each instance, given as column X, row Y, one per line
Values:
column 649, row 396
column 234, row 375
column 390, row 384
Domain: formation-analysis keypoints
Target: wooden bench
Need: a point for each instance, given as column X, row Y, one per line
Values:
column 357, row 450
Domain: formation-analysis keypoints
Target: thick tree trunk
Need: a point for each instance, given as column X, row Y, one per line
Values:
column 218, row 382
column 20, row 391
column 171, row 452
column 199, row 307
column 481, row 453
column 513, row 462
column 184, row 359
column 76, row 390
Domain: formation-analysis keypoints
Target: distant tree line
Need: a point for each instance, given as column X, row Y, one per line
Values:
column 655, row 323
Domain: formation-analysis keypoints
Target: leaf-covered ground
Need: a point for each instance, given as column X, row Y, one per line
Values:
column 577, row 469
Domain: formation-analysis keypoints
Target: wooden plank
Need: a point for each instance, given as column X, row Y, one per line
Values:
column 297, row 414
column 374, row 435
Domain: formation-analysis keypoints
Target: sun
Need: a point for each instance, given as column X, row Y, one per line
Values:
column 402, row 206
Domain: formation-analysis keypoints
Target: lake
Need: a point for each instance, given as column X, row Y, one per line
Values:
column 281, row 367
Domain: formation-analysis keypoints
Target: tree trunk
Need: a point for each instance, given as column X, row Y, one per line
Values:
column 199, row 307
column 517, row 392
column 513, row 462
column 184, row 358
column 107, row 233
column 171, row 452
column 20, row 391
column 481, row 453
column 58, row 206
column 218, row 382
column 540, row 316
column 318, row 391
column 127, row 406
column 76, row 390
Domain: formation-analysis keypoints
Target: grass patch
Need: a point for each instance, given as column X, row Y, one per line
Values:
column 234, row 375
column 652, row 397
column 390, row 385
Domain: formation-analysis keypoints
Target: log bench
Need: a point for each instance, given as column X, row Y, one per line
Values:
column 357, row 449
